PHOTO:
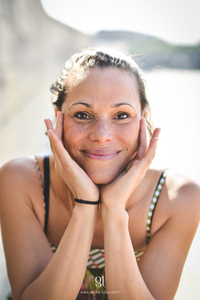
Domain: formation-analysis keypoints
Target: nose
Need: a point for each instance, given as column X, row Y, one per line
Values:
column 101, row 131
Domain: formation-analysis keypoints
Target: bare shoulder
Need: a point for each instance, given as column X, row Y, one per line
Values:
column 182, row 188
column 19, row 181
column 17, row 172
column 184, row 196
column 22, row 223
column 173, row 228
column 17, row 165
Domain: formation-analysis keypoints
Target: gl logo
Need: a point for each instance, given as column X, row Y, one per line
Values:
column 99, row 281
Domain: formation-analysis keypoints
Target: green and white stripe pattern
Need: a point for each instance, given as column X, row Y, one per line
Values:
column 96, row 259
column 153, row 203
column 41, row 182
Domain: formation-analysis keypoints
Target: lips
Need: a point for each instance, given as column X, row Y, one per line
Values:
column 101, row 154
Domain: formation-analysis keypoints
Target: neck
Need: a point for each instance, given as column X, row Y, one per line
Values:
column 139, row 192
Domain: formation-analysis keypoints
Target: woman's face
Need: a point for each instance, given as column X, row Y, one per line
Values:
column 101, row 123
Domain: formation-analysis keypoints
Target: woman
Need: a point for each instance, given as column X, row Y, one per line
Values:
column 99, row 220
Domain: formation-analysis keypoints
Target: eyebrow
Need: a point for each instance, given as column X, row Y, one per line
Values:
column 83, row 103
column 123, row 103
column 115, row 105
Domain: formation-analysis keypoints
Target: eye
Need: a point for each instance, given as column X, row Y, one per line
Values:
column 82, row 116
column 122, row 116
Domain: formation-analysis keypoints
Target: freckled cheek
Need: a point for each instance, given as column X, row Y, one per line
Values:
column 72, row 134
column 129, row 136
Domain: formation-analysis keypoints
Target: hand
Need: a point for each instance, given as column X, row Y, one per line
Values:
column 71, row 173
column 118, row 192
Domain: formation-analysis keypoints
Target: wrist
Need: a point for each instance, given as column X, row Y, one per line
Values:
column 81, row 201
column 84, row 212
column 117, row 215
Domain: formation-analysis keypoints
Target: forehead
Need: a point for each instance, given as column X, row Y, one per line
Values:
column 106, row 86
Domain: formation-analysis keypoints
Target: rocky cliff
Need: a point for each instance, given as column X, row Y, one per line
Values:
column 33, row 49
column 151, row 52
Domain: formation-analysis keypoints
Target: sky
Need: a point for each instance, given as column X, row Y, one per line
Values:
column 175, row 21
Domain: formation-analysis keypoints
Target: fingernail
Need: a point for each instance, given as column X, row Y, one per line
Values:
column 156, row 138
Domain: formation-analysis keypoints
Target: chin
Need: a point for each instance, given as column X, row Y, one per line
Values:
column 102, row 181
column 102, row 178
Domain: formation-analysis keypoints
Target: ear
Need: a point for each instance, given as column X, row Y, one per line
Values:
column 56, row 112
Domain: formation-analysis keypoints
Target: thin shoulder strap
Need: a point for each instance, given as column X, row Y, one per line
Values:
column 46, row 191
column 154, row 203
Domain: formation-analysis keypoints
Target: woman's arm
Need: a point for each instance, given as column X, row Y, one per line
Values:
column 121, row 269
column 122, row 273
column 35, row 273
column 64, row 274
column 158, row 272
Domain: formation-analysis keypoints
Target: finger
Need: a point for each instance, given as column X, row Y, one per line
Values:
column 60, row 153
column 155, row 137
column 59, row 125
column 51, row 141
column 52, row 135
column 138, row 169
column 48, row 124
column 148, row 157
column 142, row 147
column 49, row 127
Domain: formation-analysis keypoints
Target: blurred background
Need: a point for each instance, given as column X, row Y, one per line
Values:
column 37, row 37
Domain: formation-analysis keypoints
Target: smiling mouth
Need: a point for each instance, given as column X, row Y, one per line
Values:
column 101, row 155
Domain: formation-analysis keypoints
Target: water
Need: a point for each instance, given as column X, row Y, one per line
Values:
column 175, row 101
